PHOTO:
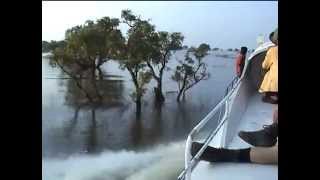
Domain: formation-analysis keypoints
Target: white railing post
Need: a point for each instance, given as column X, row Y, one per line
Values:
column 188, row 158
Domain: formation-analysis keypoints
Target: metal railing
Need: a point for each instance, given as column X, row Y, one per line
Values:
column 223, row 109
column 231, row 85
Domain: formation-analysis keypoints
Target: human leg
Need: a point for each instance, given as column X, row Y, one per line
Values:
column 266, row 137
column 258, row 155
column 263, row 155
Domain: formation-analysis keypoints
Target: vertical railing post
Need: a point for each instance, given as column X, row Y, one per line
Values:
column 188, row 158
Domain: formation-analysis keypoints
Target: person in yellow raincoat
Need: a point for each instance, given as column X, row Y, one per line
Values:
column 269, row 85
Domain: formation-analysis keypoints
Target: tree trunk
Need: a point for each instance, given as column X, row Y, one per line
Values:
column 138, row 97
column 100, row 73
column 94, row 83
column 100, row 98
column 93, row 71
column 134, row 76
column 179, row 95
column 182, row 88
column 158, row 92
column 138, row 107
column 92, row 138
column 184, row 94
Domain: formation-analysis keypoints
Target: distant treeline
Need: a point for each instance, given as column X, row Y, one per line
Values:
column 50, row 46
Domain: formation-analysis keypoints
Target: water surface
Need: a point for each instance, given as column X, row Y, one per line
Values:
column 109, row 141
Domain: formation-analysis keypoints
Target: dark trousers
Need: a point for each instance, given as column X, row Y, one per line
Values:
column 268, row 94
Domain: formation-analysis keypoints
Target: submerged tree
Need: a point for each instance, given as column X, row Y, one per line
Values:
column 154, row 48
column 63, row 60
column 86, row 48
column 164, row 44
column 135, row 51
column 92, row 44
column 190, row 71
column 205, row 46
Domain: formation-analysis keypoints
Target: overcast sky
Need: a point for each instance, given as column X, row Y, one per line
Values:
column 221, row 24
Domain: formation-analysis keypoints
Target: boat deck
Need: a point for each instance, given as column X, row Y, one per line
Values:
column 257, row 114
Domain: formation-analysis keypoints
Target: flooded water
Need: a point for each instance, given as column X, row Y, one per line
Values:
column 109, row 142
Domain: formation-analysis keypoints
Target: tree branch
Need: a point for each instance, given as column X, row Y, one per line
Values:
column 152, row 71
column 194, row 83
column 196, row 80
column 76, row 81
column 164, row 58
column 194, row 74
column 130, row 25
column 134, row 77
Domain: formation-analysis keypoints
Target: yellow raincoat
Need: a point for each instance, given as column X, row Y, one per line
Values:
column 270, row 63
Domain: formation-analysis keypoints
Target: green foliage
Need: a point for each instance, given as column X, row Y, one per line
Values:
column 189, row 71
column 144, row 52
column 147, row 47
column 142, row 79
column 91, row 40
column 169, row 42
column 178, row 74
column 140, row 46
column 205, row 47
column 162, row 46
column 85, row 48
column 128, row 16
column 89, row 45
column 201, row 51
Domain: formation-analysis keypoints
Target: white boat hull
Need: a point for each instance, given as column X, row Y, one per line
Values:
column 246, row 111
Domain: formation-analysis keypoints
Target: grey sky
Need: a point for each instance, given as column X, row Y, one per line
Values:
column 221, row 24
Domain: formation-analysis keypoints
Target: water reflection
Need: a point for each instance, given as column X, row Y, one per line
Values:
column 72, row 124
column 92, row 136
column 91, row 94
column 136, row 132
column 102, row 93
column 157, row 125
column 147, row 129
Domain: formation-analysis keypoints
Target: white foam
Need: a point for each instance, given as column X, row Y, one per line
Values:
column 162, row 162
